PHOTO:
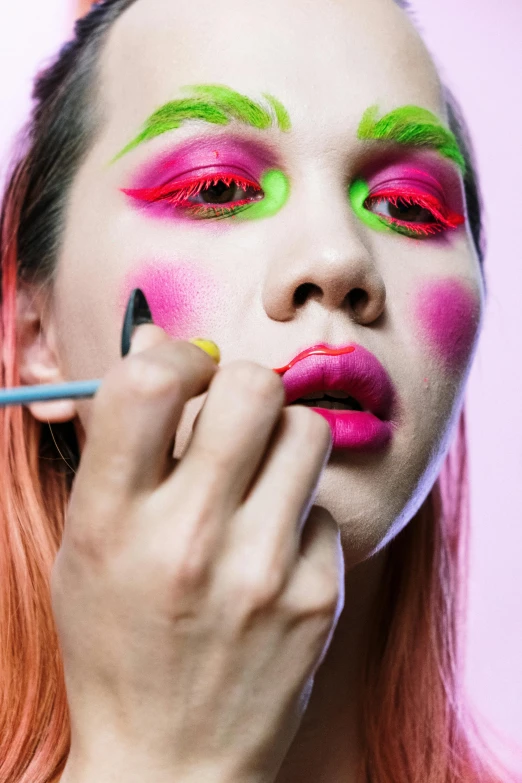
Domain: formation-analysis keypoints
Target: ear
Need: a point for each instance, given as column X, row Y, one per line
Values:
column 38, row 359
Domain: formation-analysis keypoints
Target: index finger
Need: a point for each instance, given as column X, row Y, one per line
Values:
column 136, row 413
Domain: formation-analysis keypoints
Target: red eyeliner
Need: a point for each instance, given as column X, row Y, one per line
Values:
column 440, row 212
column 182, row 191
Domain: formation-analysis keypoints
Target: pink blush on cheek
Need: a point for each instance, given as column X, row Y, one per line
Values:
column 447, row 316
column 180, row 295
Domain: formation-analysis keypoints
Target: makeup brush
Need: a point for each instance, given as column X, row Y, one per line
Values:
column 137, row 312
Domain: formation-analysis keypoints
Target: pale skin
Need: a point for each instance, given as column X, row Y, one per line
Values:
column 155, row 49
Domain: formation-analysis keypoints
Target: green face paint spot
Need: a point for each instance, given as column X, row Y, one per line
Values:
column 358, row 193
column 413, row 126
column 276, row 187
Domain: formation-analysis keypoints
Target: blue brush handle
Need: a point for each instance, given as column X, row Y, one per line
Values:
column 137, row 312
column 20, row 395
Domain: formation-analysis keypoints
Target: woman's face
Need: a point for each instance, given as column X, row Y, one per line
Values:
column 306, row 262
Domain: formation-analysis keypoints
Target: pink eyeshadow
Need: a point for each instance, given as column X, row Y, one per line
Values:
column 199, row 157
column 421, row 171
column 447, row 314
column 180, row 295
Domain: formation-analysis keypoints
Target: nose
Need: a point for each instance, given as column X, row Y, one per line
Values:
column 324, row 259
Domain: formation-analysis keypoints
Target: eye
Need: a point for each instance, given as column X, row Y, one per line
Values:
column 219, row 195
column 225, row 191
column 402, row 210
column 412, row 213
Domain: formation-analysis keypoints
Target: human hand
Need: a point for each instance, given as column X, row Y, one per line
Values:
column 191, row 612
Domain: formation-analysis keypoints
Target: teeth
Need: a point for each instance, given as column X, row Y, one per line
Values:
column 339, row 395
column 335, row 406
column 331, row 400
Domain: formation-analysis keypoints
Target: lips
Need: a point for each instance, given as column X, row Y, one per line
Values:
column 350, row 370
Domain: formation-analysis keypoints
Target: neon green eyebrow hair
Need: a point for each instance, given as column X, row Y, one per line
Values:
column 414, row 126
column 213, row 103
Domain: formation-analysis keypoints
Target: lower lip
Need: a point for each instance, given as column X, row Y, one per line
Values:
column 356, row 430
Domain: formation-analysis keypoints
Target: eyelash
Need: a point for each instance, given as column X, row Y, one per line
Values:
column 444, row 218
column 178, row 195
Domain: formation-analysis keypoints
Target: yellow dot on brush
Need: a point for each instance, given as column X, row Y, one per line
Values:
column 208, row 346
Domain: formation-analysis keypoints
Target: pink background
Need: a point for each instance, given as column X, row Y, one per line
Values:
column 477, row 44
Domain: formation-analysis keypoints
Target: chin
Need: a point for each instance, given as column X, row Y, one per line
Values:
column 370, row 501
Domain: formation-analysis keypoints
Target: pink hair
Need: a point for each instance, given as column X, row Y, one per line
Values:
column 34, row 727
column 416, row 721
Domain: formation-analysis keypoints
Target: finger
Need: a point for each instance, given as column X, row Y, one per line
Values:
column 271, row 517
column 235, row 424
column 136, row 412
column 176, row 451
column 316, row 586
column 143, row 338
column 147, row 336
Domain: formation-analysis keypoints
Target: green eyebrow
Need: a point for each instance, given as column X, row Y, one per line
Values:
column 213, row 103
column 414, row 126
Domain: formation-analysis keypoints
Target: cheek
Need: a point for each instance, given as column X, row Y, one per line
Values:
column 447, row 319
column 180, row 295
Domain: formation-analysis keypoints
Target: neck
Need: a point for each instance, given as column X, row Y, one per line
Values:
column 328, row 744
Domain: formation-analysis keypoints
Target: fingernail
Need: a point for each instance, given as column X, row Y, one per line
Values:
column 208, row 346
column 137, row 312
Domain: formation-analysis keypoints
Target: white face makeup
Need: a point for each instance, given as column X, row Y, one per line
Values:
column 267, row 288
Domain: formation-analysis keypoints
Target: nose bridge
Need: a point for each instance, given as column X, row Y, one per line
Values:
column 325, row 257
column 333, row 250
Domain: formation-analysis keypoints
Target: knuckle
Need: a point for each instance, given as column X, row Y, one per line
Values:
column 320, row 603
column 146, row 378
column 323, row 598
column 191, row 572
column 251, row 379
column 258, row 586
column 185, row 557
column 185, row 579
column 327, row 595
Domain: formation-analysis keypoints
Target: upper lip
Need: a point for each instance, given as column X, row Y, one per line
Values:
column 352, row 369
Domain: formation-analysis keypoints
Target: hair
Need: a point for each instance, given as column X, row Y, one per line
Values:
column 416, row 726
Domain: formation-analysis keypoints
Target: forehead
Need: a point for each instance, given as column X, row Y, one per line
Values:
column 326, row 60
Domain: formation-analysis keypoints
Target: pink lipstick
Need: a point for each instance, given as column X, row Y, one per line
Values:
column 349, row 387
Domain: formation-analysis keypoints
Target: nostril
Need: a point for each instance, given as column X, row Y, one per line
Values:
column 303, row 292
column 357, row 298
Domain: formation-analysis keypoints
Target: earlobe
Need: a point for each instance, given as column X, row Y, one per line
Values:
column 38, row 360
column 53, row 411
